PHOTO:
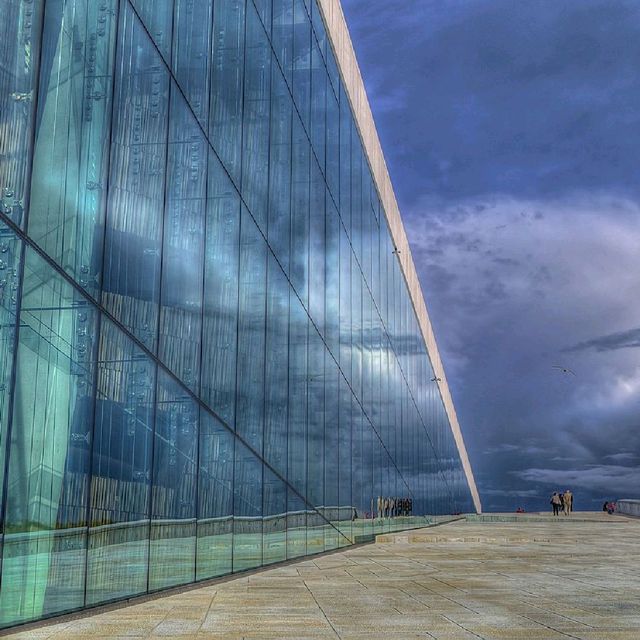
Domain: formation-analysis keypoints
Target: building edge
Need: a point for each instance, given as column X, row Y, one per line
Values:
column 338, row 34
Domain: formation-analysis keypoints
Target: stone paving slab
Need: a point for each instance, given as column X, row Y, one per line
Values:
column 538, row 578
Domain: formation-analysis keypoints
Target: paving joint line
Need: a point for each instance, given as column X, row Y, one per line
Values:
column 322, row 610
column 463, row 627
column 546, row 626
column 459, row 604
column 555, row 613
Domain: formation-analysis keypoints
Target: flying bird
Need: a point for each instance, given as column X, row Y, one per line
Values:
column 564, row 369
column 436, row 379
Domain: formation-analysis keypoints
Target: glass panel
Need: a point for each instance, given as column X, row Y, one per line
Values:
column 215, row 499
column 191, row 63
column 296, row 525
column 276, row 368
column 331, row 445
column 332, row 169
column 251, row 334
column 172, row 551
column 71, row 153
column 332, row 279
column 318, row 104
column 376, row 487
column 49, row 458
column 347, row 513
column 300, row 195
column 247, row 509
column 10, row 275
column 356, row 330
column 282, row 35
column 386, row 489
column 375, row 270
column 121, row 469
column 157, row 17
column 345, row 160
column 366, row 396
column 302, row 61
column 332, row 68
column 264, row 11
column 318, row 28
column 255, row 133
column 20, row 50
column 298, row 381
column 220, row 324
column 280, row 170
column 133, row 239
column 356, row 193
column 367, row 221
column 368, row 497
column 360, row 499
column 275, row 519
column 317, row 248
column 345, row 304
column 315, row 441
column 183, row 246
column 225, row 121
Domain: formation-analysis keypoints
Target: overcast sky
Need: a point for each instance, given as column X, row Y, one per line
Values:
column 512, row 135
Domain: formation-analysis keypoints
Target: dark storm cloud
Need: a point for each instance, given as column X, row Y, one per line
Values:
column 598, row 478
column 610, row 342
column 526, row 98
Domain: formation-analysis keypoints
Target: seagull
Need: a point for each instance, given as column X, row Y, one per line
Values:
column 436, row 379
column 563, row 369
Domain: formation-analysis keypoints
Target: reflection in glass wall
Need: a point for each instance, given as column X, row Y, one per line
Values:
column 209, row 359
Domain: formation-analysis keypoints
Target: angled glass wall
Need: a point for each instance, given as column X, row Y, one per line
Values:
column 209, row 359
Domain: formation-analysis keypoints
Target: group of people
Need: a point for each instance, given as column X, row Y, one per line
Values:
column 609, row 506
column 562, row 502
column 392, row 507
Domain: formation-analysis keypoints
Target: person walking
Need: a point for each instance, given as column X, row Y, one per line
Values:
column 571, row 503
column 555, row 503
column 566, row 502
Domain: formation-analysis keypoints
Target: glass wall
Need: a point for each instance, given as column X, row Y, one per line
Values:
column 209, row 359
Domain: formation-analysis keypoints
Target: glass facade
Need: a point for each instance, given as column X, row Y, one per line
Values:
column 209, row 358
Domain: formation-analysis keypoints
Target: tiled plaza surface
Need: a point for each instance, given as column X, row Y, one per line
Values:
column 537, row 578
